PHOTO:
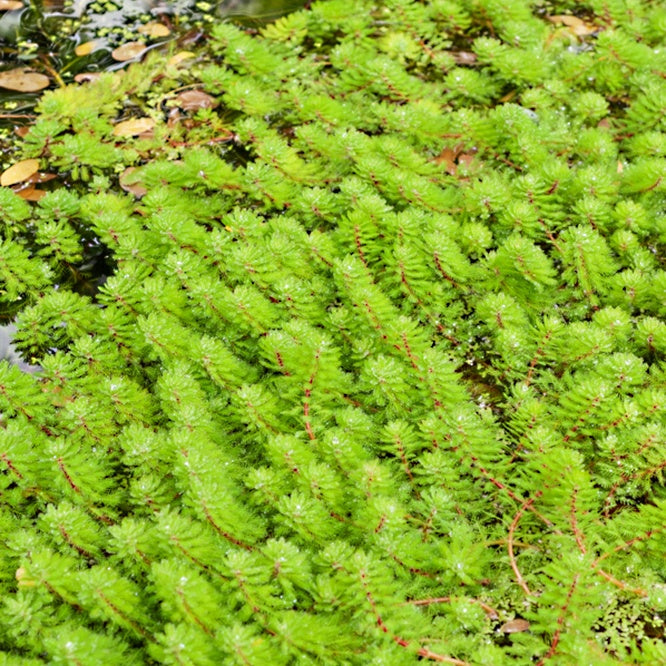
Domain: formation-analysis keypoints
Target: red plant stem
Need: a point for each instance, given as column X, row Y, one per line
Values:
column 10, row 466
column 422, row 651
column 221, row 532
column 65, row 473
column 137, row 627
column 639, row 591
column 560, row 622
column 308, row 393
column 509, row 543
column 578, row 535
column 628, row 544
column 489, row 610
column 512, row 495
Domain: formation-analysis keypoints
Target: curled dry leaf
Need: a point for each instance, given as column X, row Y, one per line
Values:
column 128, row 51
column 154, row 30
column 447, row 158
column 193, row 100
column 576, row 25
column 9, row 5
column 86, row 77
column 515, row 626
column 127, row 184
column 19, row 172
column 31, row 193
column 23, row 79
column 133, row 127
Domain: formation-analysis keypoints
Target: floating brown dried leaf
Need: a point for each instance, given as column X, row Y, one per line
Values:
column 133, row 127
column 19, row 172
column 31, row 193
column 154, row 30
column 577, row 26
column 23, row 79
column 86, row 77
column 193, row 100
column 515, row 626
column 128, row 51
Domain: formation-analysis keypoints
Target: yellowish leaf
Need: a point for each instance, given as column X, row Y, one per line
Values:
column 19, row 172
column 577, row 26
column 154, row 30
column 566, row 19
column 23, row 79
column 133, row 127
column 85, row 48
column 22, row 578
column 178, row 58
column 128, row 51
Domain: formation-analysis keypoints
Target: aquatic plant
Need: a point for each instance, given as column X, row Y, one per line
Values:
column 377, row 374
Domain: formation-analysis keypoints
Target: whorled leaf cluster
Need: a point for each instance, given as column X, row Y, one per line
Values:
column 378, row 375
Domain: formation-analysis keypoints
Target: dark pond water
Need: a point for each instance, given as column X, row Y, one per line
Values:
column 63, row 39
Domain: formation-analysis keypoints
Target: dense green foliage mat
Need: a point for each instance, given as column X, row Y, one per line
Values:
column 377, row 375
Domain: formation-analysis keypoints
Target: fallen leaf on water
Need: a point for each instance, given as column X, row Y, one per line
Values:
column 466, row 159
column 515, row 626
column 86, row 77
column 154, row 30
column 85, row 48
column 23, row 79
column 576, row 25
column 8, row 5
column 128, row 51
column 31, row 193
column 177, row 59
column 448, row 159
column 193, row 100
column 133, row 127
column 19, row 172
column 126, row 183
